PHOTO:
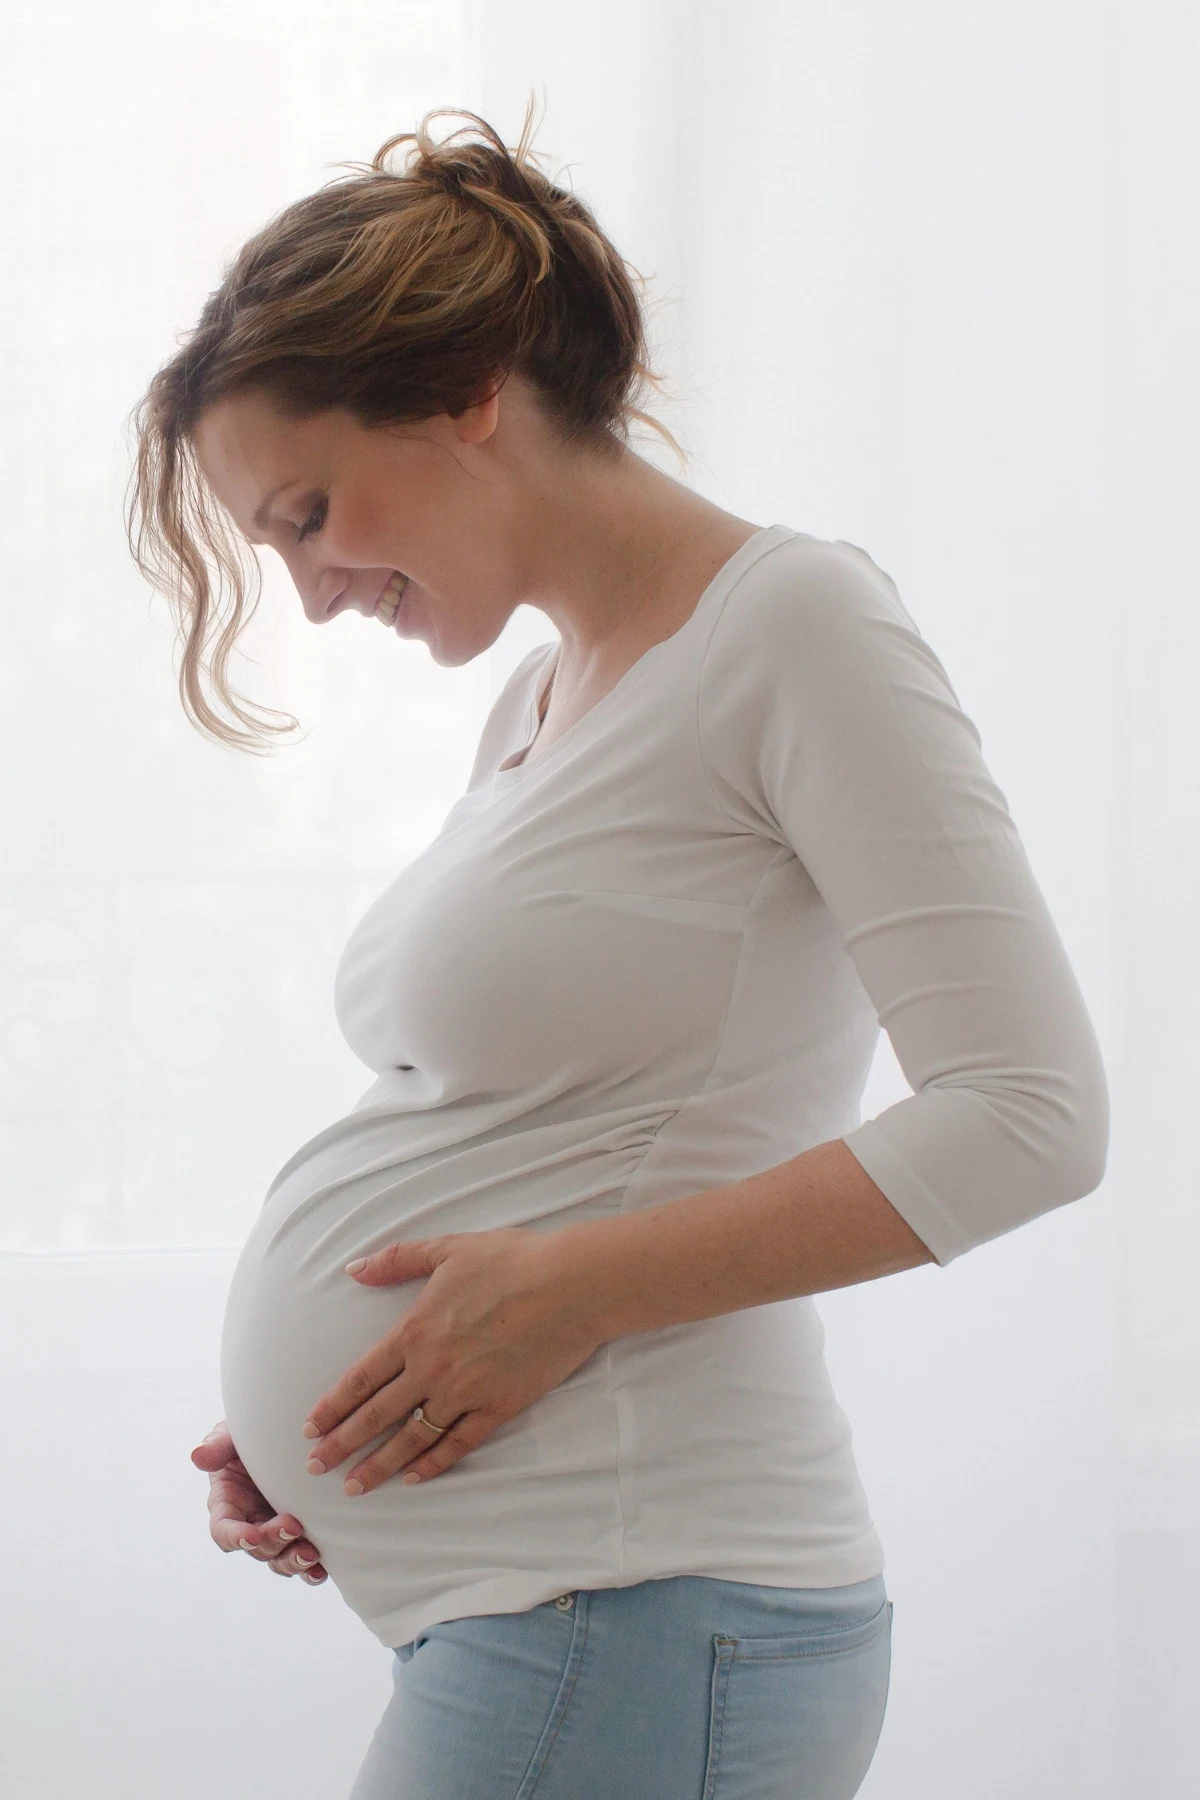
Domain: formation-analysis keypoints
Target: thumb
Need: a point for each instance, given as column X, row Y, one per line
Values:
column 216, row 1450
column 399, row 1262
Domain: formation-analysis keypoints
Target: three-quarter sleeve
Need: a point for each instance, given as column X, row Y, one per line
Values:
column 827, row 722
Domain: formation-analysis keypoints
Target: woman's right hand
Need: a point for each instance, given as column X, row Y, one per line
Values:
column 242, row 1518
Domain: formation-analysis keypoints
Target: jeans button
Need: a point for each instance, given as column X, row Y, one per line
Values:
column 565, row 1602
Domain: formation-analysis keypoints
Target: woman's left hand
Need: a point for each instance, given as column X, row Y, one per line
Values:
column 498, row 1324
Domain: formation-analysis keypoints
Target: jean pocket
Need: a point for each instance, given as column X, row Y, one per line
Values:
column 798, row 1714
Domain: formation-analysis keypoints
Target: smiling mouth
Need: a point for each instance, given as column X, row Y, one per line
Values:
column 388, row 604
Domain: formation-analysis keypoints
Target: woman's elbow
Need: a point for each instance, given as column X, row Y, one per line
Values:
column 1087, row 1157
column 1071, row 1135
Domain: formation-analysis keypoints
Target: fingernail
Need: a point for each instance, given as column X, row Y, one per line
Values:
column 352, row 1268
column 306, row 1562
column 309, row 1430
column 245, row 1544
column 312, row 1580
column 353, row 1487
column 315, row 1466
column 288, row 1537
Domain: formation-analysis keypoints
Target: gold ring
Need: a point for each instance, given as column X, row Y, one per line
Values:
column 421, row 1417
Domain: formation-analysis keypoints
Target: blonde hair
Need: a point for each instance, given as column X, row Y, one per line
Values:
column 398, row 294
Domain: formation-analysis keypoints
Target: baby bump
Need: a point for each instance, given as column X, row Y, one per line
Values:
column 294, row 1323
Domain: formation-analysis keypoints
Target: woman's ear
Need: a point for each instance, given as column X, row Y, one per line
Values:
column 480, row 419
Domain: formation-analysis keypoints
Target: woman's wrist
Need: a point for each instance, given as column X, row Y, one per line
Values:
column 593, row 1266
column 807, row 1226
column 651, row 1268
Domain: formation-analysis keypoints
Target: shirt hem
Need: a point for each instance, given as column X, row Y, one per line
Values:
column 518, row 1593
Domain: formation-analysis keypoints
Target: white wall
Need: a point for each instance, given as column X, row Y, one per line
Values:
column 927, row 281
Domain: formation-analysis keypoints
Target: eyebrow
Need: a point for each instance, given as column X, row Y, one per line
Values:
column 261, row 517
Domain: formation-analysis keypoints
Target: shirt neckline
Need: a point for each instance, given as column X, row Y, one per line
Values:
column 730, row 572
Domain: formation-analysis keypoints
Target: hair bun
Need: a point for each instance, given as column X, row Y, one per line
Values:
column 445, row 172
column 487, row 179
column 482, row 169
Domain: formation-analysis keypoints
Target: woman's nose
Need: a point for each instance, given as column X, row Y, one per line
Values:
column 319, row 592
column 323, row 605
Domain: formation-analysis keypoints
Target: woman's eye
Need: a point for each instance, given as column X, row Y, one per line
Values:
column 314, row 521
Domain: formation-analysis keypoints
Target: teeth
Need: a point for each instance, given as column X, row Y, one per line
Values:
column 388, row 604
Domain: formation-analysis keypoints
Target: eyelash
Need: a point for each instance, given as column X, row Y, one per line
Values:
column 314, row 521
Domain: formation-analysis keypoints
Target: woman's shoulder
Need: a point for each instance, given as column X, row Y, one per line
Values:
column 804, row 593
column 816, row 674
column 810, row 622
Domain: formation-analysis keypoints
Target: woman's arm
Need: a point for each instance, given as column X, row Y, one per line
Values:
column 813, row 1223
column 829, row 725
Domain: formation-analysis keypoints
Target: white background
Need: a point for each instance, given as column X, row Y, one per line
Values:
column 923, row 277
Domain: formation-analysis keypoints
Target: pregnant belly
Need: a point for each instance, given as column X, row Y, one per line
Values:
column 581, row 1489
column 295, row 1322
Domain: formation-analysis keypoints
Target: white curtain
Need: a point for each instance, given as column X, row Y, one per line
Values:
column 925, row 278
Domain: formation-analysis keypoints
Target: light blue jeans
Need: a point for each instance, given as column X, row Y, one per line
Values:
column 683, row 1689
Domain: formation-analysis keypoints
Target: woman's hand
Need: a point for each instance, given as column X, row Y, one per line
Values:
column 241, row 1518
column 498, row 1324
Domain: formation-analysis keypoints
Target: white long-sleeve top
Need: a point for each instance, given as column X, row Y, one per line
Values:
column 650, row 961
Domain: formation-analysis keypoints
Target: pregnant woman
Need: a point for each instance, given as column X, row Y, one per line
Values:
column 565, row 1440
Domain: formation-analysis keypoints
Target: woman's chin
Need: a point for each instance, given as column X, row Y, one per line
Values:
column 414, row 622
column 449, row 655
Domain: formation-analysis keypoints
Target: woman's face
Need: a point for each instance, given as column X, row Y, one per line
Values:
column 365, row 515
